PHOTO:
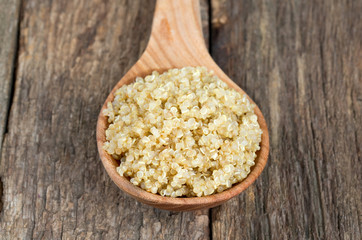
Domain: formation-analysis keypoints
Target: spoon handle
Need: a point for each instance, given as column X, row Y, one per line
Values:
column 176, row 29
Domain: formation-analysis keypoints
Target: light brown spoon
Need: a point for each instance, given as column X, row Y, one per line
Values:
column 176, row 41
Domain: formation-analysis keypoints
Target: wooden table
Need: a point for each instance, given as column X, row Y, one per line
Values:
column 299, row 60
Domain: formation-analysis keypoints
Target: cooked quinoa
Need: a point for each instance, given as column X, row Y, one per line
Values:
column 182, row 133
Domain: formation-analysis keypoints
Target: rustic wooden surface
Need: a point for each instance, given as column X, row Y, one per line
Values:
column 9, row 15
column 299, row 60
column 301, row 63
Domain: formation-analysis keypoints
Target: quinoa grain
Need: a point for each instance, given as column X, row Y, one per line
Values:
column 182, row 133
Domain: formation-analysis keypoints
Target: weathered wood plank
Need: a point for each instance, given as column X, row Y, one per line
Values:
column 204, row 10
column 71, row 55
column 301, row 63
column 9, row 18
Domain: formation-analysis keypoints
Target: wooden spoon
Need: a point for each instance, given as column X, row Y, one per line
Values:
column 176, row 41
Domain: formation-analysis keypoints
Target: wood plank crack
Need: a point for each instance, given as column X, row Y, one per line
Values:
column 10, row 18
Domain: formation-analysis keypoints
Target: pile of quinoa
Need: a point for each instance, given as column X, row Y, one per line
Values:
column 182, row 133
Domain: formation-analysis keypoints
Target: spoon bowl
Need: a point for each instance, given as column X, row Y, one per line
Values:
column 176, row 41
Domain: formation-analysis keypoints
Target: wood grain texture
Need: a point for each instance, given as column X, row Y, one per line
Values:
column 71, row 55
column 9, row 18
column 301, row 62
